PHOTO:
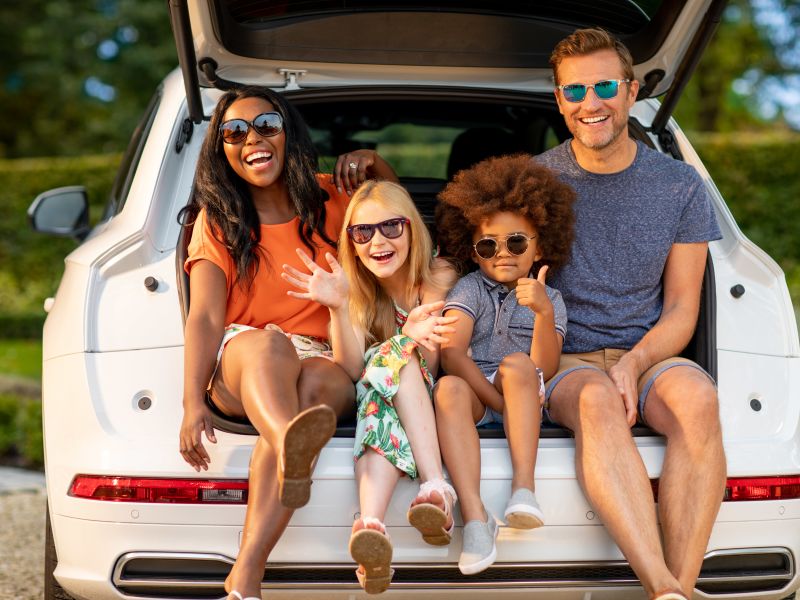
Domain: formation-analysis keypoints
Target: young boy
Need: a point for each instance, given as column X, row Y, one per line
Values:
column 514, row 219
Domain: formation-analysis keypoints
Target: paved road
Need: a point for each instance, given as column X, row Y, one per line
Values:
column 22, row 506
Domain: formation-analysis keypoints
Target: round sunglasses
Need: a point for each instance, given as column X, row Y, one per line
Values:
column 390, row 229
column 516, row 244
column 266, row 125
column 605, row 89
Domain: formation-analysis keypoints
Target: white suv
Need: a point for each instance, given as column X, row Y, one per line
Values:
column 434, row 89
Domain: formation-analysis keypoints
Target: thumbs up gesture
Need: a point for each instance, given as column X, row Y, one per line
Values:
column 532, row 293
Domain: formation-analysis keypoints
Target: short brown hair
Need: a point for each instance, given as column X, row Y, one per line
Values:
column 513, row 184
column 586, row 41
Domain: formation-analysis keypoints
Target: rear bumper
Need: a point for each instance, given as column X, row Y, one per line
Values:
column 169, row 561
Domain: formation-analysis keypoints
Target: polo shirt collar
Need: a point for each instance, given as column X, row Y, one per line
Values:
column 492, row 285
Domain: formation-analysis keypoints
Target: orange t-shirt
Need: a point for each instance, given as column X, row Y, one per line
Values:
column 267, row 301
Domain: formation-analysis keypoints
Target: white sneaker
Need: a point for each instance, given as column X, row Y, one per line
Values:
column 523, row 511
column 479, row 550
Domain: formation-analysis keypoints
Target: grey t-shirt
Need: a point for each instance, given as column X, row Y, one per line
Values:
column 502, row 326
column 625, row 225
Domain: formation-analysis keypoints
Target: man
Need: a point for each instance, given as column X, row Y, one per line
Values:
column 632, row 290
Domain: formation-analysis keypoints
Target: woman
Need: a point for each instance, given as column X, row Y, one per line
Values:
column 259, row 353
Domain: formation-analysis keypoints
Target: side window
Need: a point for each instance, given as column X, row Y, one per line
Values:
column 130, row 160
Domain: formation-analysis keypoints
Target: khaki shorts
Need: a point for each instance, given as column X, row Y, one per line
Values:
column 603, row 360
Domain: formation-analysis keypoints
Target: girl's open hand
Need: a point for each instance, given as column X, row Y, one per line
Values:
column 329, row 288
column 533, row 294
column 426, row 327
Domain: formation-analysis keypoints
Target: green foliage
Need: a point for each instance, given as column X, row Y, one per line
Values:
column 32, row 263
column 59, row 61
column 21, row 431
column 742, row 78
column 757, row 175
column 21, row 357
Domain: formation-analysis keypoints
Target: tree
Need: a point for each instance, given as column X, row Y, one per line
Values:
column 753, row 51
column 78, row 74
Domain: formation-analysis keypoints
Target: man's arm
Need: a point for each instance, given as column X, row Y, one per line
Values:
column 683, row 279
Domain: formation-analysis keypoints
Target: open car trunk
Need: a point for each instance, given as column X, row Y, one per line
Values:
column 428, row 135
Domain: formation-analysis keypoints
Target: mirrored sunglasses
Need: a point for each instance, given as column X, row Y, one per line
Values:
column 390, row 229
column 605, row 90
column 266, row 125
column 516, row 244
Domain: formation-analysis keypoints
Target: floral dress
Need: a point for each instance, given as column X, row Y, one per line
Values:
column 378, row 424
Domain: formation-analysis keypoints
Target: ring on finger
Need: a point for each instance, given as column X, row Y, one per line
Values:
column 353, row 165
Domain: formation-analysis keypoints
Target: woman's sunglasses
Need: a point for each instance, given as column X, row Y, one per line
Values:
column 516, row 244
column 606, row 89
column 390, row 229
column 266, row 125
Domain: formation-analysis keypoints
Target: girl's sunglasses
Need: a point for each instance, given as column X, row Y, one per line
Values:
column 516, row 244
column 606, row 89
column 266, row 125
column 390, row 229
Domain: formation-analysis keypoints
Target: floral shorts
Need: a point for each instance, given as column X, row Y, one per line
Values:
column 306, row 346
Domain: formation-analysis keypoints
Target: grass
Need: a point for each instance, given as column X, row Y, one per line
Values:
column 21, row 358
column 20, row 411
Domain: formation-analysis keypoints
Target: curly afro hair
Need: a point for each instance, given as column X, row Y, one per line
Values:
column 513, row 184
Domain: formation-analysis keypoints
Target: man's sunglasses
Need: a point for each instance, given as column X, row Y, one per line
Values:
column 606, row 89
column 516, row 244
column 390, row 229
column 266, row 125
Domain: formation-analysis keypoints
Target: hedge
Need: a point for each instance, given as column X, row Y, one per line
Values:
column 759, row 179
column 30, row 263
column 757, row 175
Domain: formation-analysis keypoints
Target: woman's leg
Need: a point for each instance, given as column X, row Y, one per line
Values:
column 265, row 522
column 266, row 391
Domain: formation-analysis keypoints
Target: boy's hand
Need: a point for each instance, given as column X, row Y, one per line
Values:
column 532, row 293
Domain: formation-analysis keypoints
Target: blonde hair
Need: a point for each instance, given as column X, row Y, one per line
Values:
column 371, row 308
column 588, row 41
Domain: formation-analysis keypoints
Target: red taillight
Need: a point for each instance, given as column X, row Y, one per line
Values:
column 739, row 489
column 174, row 491
column 762, row 488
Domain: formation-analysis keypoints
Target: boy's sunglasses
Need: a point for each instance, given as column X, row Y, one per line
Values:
column 488, row 247
column 606, row 89
column 390, row 229
column 266, row 125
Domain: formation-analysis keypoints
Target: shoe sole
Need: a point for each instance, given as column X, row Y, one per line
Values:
column 523, row 517
column 305, row 436
column 430, row 521
column 372, row 550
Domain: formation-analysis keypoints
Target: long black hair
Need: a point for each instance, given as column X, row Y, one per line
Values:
column 226, row 197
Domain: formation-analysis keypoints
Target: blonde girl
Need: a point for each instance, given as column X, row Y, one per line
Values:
column 386, row 296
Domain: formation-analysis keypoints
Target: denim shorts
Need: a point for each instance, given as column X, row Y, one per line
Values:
column 603, row 360
column 492, row 416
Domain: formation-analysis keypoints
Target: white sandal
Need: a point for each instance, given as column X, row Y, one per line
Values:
column 429, row 519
